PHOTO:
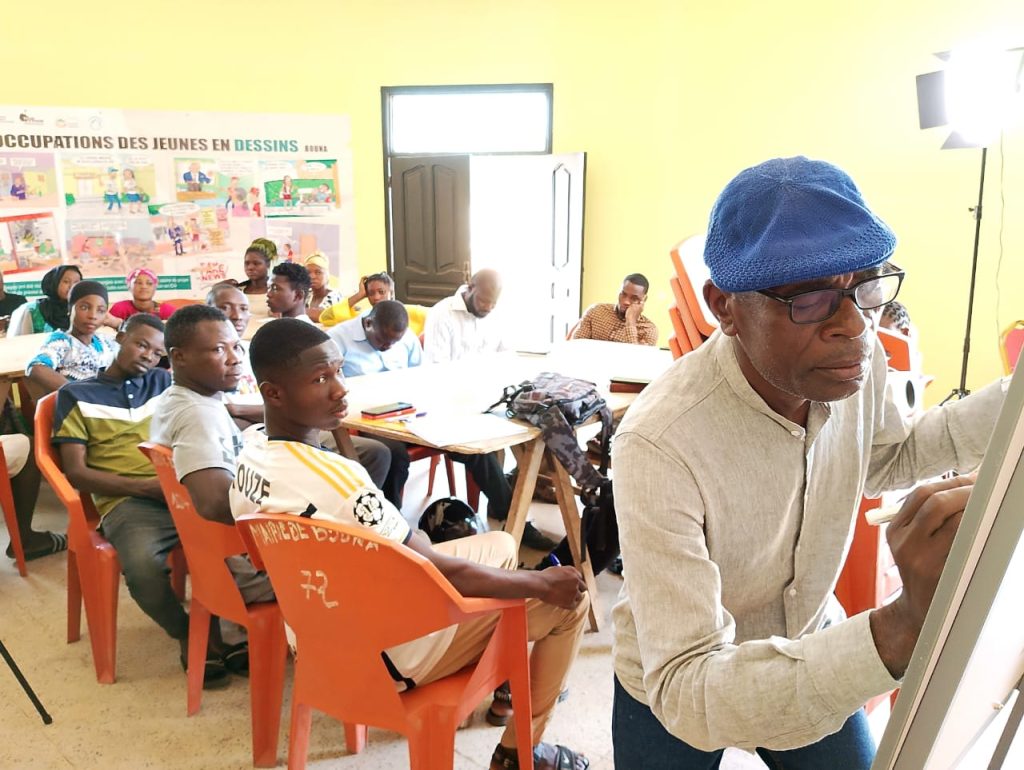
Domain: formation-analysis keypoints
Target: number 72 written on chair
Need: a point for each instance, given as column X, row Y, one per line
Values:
column 321, row 590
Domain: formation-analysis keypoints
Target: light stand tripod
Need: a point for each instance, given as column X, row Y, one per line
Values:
column 961, row 391
column 47, row 719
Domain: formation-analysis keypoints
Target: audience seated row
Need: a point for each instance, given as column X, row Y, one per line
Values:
column 83, row 350
column 108, row 391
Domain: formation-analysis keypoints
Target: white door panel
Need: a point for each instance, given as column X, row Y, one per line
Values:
column 526, row 221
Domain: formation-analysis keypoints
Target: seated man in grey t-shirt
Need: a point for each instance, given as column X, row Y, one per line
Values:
column 245, row 404
column 194, row 423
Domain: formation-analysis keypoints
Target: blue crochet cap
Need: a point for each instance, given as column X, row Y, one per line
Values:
column 788, row 220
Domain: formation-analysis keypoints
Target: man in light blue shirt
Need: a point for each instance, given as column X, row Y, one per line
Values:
column 379, row 341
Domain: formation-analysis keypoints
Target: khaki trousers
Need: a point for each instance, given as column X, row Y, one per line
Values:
column 555, row 633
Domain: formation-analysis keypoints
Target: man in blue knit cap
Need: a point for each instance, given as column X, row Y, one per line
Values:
column 738, row 476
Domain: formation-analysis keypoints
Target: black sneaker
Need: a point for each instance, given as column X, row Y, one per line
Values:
column 215, row 676
column 535, row 539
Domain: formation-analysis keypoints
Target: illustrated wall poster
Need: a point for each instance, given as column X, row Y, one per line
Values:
column 180, row 193
column 297, row 237
column 300, row 187
column 29, row 242
column 108, row 185
column 27, row 180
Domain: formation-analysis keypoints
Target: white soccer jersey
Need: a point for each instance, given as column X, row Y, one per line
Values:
column 285, row 476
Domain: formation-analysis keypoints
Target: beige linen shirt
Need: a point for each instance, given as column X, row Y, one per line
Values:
column 735, row 523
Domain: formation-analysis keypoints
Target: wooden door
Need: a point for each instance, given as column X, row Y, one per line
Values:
column 429, row 226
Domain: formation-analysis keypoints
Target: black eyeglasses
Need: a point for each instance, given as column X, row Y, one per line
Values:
column 812, row 307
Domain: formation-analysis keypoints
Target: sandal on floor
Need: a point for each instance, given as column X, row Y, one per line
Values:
column 236, row 658
column 215, row 676
column 503, row 700
column 58, row 542
column 565, row 758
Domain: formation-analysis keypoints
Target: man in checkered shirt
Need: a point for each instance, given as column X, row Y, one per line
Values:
column 623, row 321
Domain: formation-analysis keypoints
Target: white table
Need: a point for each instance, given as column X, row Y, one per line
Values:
column 470, row 386
column 15, row 353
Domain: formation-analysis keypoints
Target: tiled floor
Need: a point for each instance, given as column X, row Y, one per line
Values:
column 140, row 721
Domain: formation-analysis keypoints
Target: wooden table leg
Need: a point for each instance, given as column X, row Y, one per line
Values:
column 529, row 464
column 571, row 518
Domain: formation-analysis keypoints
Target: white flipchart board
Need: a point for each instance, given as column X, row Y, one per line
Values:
column 970, row 655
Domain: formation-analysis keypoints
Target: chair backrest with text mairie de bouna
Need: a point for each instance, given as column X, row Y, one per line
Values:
column 349, row 594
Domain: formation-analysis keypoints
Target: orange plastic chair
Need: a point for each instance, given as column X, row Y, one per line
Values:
column 688, row 261
column 417, row 452
column 678, row 351
column 683, row 324
column 897, row 348
column 1011, row 342
column 343, row 588
column 10, row 516
column 214, row 592
column 94, row 571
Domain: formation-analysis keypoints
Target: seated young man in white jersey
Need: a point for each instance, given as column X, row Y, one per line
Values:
column 245, row 405
column 299, row 371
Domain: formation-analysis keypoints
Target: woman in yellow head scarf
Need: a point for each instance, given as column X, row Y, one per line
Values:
column 322, row 294
column 259, row 257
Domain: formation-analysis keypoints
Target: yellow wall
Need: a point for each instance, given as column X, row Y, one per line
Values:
column 669, row 98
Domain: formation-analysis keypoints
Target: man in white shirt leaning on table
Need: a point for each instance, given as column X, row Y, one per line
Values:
column 464, row 324
column 738, row 475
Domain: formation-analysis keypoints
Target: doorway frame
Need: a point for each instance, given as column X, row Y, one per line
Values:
column 387, row 92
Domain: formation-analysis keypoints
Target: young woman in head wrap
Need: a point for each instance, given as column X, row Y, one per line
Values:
column 261, row 254
column 49, row 312
column 80, row 352
column 142, row 283
column 322, row 294
column 375, row 288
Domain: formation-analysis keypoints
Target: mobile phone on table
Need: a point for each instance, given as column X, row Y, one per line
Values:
column 387, row 410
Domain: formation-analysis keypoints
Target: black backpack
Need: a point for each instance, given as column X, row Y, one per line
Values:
column 556, row 404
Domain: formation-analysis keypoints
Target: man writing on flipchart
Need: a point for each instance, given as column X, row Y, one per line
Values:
column 737, row 479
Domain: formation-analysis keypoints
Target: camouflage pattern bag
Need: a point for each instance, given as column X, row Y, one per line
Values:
column 557, row 404
column 577, row 400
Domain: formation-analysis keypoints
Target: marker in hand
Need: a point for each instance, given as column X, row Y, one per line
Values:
column 883, row 515
column 886, row 513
